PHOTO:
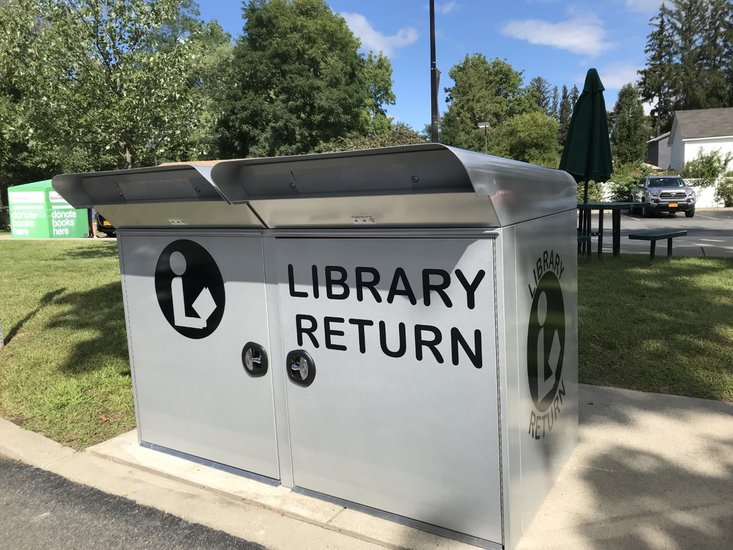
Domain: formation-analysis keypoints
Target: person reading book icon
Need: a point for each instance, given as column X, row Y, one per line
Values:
column 203, row 305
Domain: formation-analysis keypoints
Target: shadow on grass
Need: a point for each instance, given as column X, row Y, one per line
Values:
column 97, row 312
column 662, row 327
column 45, row 300
column 92, row 252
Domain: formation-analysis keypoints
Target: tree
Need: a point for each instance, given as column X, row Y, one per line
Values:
column 657, row 78
column 529, row 137
column 539, row 91
column 299, row 81
column 689, row 58
column 564, row 112
column 398, row 134
column 483, row 91
column 555, row 104
column 106, row 85
column 378, row 77
column 628, row 128
column 574, row 94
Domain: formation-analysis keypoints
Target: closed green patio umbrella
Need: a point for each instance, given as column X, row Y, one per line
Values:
column 587, row 152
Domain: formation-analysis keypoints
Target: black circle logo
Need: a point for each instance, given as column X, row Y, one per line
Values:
column 189, row 288
column 546, row 341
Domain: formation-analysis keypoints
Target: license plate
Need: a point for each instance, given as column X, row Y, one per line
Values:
column 673, row 205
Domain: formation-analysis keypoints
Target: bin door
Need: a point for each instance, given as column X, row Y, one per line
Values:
column 390, row 348
column 199, row 348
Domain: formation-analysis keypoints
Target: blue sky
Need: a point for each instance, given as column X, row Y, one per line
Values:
column 556, row 39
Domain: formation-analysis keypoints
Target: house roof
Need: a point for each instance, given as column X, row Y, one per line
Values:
column 705, row 123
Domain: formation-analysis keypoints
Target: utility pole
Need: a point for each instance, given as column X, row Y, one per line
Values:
column 434, row 79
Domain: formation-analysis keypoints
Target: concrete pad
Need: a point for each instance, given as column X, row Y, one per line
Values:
column 650, row 471
column 126, row 452
column 391, row 534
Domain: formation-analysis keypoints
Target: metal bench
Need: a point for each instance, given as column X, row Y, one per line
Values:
column 654, row 236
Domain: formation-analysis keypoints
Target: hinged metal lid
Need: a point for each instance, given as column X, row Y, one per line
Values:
column 160, row 196
column 427, row 185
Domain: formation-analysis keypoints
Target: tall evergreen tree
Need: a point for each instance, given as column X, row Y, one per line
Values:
column 574, row 94
column 688, row 58
column 628, row 128
column 563, row 117
column 539, row 91
column 713, row 55
column 555, row 103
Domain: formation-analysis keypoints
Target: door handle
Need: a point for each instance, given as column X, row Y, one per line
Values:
column 300, row 367
column 254, row 359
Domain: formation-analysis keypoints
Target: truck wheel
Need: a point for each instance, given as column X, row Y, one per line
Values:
column 690, row 213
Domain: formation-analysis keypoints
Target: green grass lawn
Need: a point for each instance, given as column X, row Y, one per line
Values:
column 664, row 327
column 64, row 370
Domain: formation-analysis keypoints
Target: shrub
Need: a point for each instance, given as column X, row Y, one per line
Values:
column 625, row 177
column 706, row 167
column 724, row 191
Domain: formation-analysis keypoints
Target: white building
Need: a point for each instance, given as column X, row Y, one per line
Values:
column 698, row 130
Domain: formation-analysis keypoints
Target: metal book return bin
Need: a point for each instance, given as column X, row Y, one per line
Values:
column 393, row 328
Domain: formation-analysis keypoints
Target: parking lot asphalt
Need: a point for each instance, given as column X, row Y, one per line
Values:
column 44, row 510
column 709, row 232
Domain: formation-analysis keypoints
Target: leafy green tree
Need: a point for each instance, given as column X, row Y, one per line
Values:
column 629, row 131
column 625, row 177
column 299, row 81
column 378, row 77
column 397, row 134
column 529, row 137
column 106, row 85
column 483, row 91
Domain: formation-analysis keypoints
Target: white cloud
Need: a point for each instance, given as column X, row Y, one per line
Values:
column 444, row 8
column 581, row 35
column 644, row 6
column 374, row 40
column 616, row 75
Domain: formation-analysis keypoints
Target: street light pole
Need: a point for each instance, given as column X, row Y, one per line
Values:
column 433, row 79
column 485, row 126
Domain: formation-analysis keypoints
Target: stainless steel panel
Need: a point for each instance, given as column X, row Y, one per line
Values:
column 180, row 215
column 542, row 428
column 192, row 393
column 384, row 184
column 158, row 183
column 414, row 435
column 433, row 210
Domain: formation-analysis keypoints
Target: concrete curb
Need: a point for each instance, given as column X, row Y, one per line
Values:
column 273, row 516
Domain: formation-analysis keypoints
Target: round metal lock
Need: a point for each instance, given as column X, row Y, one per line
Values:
column 300, row 367
column 254, row 359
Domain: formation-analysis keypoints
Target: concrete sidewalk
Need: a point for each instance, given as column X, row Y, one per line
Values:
column 650, row 471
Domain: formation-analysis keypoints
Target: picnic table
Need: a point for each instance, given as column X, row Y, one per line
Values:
column 584, row 225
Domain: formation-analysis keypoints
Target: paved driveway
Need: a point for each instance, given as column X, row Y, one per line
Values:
column 709, row 233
